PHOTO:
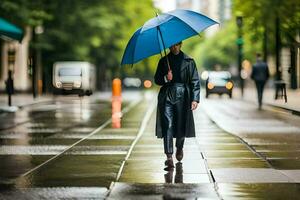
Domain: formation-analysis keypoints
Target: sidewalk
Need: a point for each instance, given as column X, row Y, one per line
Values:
column 216, row 165
column 21, row 100
column 292, row 104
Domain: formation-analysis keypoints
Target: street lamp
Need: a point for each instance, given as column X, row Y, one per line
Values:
column 35, row 60
column 239, row 41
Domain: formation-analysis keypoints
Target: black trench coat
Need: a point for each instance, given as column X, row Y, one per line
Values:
column 189, row 76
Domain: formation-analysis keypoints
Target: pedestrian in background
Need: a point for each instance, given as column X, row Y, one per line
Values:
column 177, row 98
column 9, row 86
column 260, row 74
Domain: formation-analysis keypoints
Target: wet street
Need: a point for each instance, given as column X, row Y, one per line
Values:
column 67, row 148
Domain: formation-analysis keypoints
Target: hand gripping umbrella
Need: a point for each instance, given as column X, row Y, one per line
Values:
column 163, row 31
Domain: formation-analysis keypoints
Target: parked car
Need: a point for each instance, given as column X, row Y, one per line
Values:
column 132, row 83
column 219, row 82
column 74, row 77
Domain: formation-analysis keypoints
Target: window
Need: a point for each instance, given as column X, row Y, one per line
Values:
column 69, row 72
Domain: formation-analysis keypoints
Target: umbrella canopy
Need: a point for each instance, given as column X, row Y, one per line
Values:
column 9, row 30
column 163, row 31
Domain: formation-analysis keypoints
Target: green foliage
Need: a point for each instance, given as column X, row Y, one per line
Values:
column 260, row 15
column 221, row 48
column 94, row 30
column 24, row 12
column 98, row 31
column 216, row 50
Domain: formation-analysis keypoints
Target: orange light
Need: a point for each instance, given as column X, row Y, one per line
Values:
column 210, row 86
column 147, row 84
column 229, row 85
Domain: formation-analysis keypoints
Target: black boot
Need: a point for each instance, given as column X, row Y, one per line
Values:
column 169, row 162
column 179, row 154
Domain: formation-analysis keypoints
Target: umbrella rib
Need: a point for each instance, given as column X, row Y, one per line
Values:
column 162, row 39
column 158, row 37
column 135, row 47
column 159, row 45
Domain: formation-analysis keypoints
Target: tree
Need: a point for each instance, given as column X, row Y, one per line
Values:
column 221, row 48
column 94, row 30
column 260, row 16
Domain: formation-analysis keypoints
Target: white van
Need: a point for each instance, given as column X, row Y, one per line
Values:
column 74, row 77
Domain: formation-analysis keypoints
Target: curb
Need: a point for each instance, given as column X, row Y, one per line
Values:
column 291, row 111
column 12, row 109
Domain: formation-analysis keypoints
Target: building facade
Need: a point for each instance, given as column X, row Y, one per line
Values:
column 19, row 66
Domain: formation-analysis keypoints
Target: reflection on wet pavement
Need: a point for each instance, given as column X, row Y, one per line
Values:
column 148, row 157
column 222, row 159
column 259, row 164
column 272, row 191
column 14, row 165
column 221, row 149
column 162, row 191
column 272, row 135
column 56, row 193
column 89, row 163
column 48, row 131
column 31, row 137
column 75, row 171
column 240, row 163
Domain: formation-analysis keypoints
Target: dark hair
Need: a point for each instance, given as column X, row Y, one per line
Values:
column 178, row 43
column 258, row 55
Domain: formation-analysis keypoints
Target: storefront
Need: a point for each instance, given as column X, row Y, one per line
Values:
column 14, row 56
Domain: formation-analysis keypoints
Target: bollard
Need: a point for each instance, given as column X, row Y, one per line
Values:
column 116, row 103
column 116, row 88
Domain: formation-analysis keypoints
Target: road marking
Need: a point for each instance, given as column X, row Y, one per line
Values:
column 28, row 120
column 140, row 133
column 125, row 110
column 215, row 128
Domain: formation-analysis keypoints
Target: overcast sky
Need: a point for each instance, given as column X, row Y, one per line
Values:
column 165, row 5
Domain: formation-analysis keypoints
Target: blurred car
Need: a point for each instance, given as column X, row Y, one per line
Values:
column 219, row 82
column 74, row 77
column 132, row 83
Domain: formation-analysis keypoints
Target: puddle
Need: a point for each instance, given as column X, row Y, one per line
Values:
column 236, row 163
column 75, row 171
column 229, row 154
column 14, row 165
column 285, row 163
column 259, row 191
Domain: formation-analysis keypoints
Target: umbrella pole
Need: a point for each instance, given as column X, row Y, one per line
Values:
column 164, row 48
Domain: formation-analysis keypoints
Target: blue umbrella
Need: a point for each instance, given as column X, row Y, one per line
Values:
column 163, row 31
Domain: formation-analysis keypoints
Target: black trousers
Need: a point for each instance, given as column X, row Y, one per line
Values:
column 171, row 118
column 260, row 89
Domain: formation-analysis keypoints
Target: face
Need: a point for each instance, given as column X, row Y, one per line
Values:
column 175, row 49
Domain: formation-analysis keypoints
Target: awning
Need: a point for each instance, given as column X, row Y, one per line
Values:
column 9, row 30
